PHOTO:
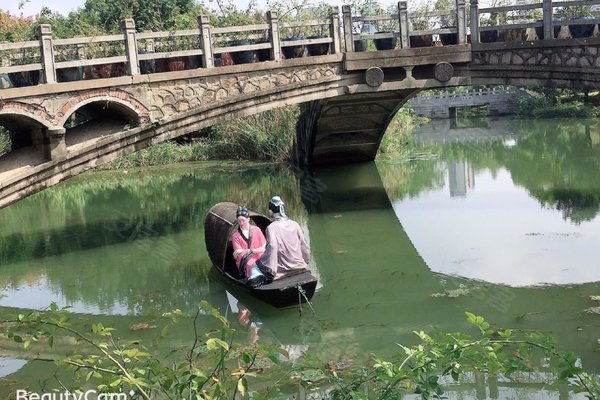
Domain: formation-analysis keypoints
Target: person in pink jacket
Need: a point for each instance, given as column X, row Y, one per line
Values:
column 248, row 244
column 286, row 250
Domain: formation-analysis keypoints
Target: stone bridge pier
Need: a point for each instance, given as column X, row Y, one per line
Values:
column 347, row 128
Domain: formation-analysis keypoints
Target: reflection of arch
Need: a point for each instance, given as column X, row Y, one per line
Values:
column 122, row 101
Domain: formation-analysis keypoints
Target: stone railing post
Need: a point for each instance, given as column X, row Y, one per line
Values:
column 347, row 20
column 548, row 23
column 273, row 21
column 131, row 50
column 149, row 45
column 207, row 59
column 334, row 30
column 47, row 53
column 461, row 21
column 403, row 23
column 474, row 21
column 56, row 150
column 81, row 52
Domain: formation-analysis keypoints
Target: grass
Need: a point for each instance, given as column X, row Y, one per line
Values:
column 558, row 103
column 398, row 136
column 268, row 136
column 5, row 142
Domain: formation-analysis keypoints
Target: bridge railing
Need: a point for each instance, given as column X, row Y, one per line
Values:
column 408, row 29
column 488, row 24
column 51, row 60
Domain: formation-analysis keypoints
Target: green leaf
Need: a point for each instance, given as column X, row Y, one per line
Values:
column 242, row 386
column 115, row 383
column 213, row 343
column 569, row 373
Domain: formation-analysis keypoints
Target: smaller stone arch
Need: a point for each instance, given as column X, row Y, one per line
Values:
column 124, row 102
column 26, row 112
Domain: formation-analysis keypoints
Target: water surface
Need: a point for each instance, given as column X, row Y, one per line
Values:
column 500, row 221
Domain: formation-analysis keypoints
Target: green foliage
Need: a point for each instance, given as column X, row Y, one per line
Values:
column 154, row 15
column 268, row 136
column 5, row 142
column 554, row 103
column 213, row 367
column 216, row 367
column 396, row 141
column 418, row 369
column 570, row 12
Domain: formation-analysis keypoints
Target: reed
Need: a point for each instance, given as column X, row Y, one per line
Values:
column 5, row 142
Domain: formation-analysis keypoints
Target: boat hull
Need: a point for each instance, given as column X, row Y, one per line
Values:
column 290, row 290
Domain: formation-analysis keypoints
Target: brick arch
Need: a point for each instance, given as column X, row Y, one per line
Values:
column 30, row 111
column 121, row 97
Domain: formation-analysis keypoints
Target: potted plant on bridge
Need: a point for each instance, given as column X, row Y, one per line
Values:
column 447, row 21
column 420, row 21
column 539, row 30
column 491, row 35
column 322, row 13
column 388, row 26
column 578, row 15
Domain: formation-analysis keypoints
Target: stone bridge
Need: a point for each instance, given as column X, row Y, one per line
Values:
column 90, row 106
column 498, row 101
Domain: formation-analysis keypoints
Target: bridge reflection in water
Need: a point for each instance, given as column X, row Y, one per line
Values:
column 373, row 273
column 89, row 241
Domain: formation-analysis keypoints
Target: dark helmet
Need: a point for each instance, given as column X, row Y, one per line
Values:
column 243, row 211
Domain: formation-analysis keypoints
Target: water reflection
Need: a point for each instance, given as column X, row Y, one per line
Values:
column 131, row 246
column 532, row 219
column 124, row 243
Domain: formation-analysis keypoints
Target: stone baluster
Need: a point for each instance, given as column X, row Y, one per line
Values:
column 334, row 30
column 403, row 23
column 548, row 23
column 474, row 21
column 131, row 49
column 47, row 53
column 273, row 20
column 461, row 21
column 348, row 37
column 205, row 42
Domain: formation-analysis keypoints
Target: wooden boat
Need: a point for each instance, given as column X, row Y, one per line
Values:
column 286, row 291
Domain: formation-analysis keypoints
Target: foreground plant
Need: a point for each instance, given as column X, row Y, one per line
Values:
column 216, row 367
column 420, row 368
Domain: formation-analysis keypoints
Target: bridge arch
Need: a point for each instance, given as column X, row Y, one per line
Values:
column 25, row 113
column 120, row 101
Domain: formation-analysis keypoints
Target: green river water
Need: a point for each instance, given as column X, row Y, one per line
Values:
column 500, row 220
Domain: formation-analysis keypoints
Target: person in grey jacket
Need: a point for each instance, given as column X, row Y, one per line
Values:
column 286, row 249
